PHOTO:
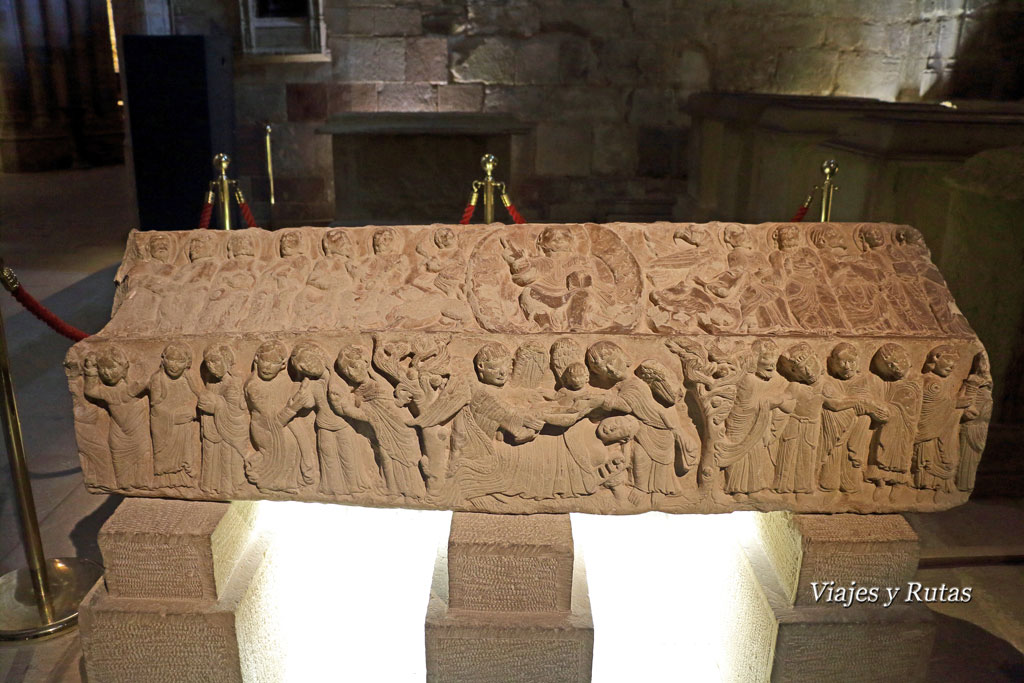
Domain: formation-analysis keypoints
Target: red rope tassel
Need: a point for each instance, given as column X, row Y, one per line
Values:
column 204, row 217
column 799, row 215
column 47, row 316
column 516, row 216
column 247, row 214
column 467, row 214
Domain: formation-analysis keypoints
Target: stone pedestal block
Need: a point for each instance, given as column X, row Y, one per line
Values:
column 799, row 628
column 509, row 602
column 170, row 607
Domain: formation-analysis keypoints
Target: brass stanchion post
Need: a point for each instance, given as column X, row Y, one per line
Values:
column 489, row 162
column 829, row 168
column 57, row 585
column 270, row 175
column 221, row 162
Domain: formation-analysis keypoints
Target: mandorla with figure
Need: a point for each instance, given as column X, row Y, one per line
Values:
column 614, row 369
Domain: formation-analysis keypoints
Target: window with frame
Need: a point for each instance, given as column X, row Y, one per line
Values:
column 271, row 27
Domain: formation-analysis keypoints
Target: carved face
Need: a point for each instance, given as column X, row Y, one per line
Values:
column 111, row 370
column 175, row 361
column 216, row 365
column 872, row 237
column 494, row 371
column 291, row 244
column 555, row 239
column 444, row 238
column 942, row 361
column 353, row 369
column 611, row 366
column 160, row 248
column 736, row 236
column 385, row 241
column 337, row 243
column 269, row 363
column 241, row 244
column 766, row 364
column 788, row 237
column 200, row 248
column 842, row 362
column 575, row 377
column 617, row 429
column 891, row 362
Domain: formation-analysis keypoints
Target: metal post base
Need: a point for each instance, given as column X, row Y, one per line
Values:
column 68, row 580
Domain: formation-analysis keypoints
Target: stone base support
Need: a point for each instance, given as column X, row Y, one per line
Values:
column 794, row 629
column 177, row 579
column 509, row 602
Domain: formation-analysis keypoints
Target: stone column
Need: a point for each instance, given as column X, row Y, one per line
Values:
column 784, row 633
column 509, row 603
column 173, row 602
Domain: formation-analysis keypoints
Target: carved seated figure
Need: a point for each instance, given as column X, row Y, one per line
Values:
column 561, row 287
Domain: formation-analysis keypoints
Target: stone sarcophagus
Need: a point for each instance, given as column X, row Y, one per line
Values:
column 612, row 368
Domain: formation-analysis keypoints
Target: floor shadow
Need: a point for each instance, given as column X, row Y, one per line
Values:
column 967, row 653
column 85, row 533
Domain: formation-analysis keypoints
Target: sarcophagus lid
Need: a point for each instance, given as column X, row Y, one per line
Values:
column 614, row 368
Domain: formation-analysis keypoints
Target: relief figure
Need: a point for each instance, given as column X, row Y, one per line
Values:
column 796, row 454
column 935, row 451
column 106, row 383
column 145, row 287
column 662, row 439
column 223, row 423
column 271, row 303
column 284, row 458
column 173, row 417
column 480, row 462
column 372, row 400
column 976, row 393
column 91, row 432
column 232, row 285
column 745, row 451
column 327, row 300
column 341, row 468
column 892, row 444
column 561, row 287
column 811, row 301
column 851, row 409
column 192, row 284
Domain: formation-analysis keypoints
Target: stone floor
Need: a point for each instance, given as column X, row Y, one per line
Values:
column 64, row 232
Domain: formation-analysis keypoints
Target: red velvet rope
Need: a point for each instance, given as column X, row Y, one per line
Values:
column 467, row 214
column 799, row 215
column 247, row 214
column 204, row 217
column 516, row 217
column 46, row 315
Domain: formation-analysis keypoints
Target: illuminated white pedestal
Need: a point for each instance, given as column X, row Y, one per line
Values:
column 786, row 634
column 509, row 602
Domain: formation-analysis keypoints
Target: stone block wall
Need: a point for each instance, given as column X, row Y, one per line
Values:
column 603, row 83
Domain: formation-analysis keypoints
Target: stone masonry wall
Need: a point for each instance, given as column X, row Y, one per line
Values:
column 603, row 83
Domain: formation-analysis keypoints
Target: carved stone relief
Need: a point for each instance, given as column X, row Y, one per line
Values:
column 684, row 368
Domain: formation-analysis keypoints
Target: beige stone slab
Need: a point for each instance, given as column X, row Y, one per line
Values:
column 822, row 641
column 871, row 550
column 504, row 646
column 614, row 369
column 510, row 563
column 170, row 549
